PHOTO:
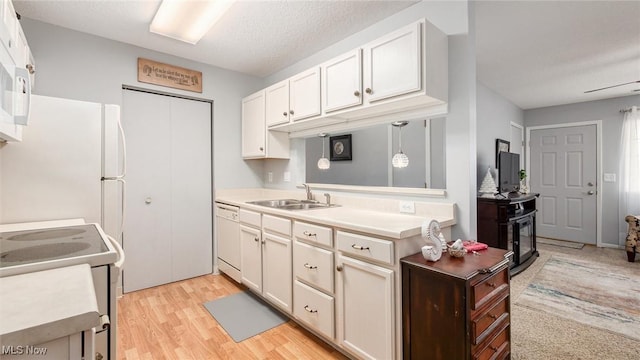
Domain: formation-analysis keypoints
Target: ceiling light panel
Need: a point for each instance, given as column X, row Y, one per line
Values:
column 188, row 20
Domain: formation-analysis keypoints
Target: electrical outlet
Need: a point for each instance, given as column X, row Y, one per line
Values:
column 287, row 176
column 270, row 176
column 610, row 177
column 408, row 207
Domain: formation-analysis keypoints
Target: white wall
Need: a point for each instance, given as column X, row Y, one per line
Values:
column 495, row 114
column 608, row 111
column 81, row 66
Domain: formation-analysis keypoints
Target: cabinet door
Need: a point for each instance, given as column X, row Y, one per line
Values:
column 393, row 64
column 253, row 126
column 358, row 309
column 342, row 82
column 304, row 95
column 251, row 257
column 277, row 103
column 276, row 270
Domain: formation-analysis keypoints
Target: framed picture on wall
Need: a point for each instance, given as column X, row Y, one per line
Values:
column 340, row 147
column 501, row 145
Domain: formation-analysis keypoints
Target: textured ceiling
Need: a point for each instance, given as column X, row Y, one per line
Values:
column 534, row 53
column 547, row 53
column 253, row 37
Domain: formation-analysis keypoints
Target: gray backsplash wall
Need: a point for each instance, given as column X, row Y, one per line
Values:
column 80, row 66
column 608, row 111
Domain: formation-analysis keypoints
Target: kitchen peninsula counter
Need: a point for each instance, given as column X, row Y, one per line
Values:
column 368, row 215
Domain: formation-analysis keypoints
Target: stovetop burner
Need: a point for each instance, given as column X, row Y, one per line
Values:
column 31, row 246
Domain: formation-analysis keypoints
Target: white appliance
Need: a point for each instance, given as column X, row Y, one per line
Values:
column 228, row 240
column 69, row 165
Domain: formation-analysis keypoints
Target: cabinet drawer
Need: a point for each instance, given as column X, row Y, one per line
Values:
column 486, row 289
column 276, row 224
column 313, row 265
column 249, row 217
column 364, row 246
column 484, row 324
column 497, row 347
column 314, row 309
column 313, row 233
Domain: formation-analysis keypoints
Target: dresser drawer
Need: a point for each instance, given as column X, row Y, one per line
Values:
column 277, row 225
column 314, row 309
column 250, row 217
column 313, row 233
column 365, row 246
column 484, row 324
column 486, row 289
column 313, row 265
column 497, row 348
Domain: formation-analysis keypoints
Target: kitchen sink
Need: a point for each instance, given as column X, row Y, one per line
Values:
column 291, row 204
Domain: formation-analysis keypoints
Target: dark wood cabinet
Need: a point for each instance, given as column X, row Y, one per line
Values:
column 457, row 308
column 510, row 223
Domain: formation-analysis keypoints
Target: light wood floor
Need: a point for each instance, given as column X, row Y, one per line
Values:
column 170, row 322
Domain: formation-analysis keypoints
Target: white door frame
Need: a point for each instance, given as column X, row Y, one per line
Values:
column 598, row 124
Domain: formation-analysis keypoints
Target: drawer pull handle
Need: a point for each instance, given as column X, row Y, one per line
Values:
column 310, row 267
column 493, row 316
column 495, row 349
column 358, row 247
column 306, row 307
column 493, row 285
column 309, row 234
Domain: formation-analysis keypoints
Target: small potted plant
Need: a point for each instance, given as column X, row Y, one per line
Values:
column 523, row 182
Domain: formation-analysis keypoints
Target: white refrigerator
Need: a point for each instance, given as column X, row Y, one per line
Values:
column 70, row 164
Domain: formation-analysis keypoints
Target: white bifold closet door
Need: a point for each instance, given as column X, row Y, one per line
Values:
column 168, row 226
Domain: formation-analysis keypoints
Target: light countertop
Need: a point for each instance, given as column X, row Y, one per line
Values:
column 355, row 217
column 45, row 305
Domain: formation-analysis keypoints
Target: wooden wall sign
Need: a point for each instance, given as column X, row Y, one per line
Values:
column 153, row 72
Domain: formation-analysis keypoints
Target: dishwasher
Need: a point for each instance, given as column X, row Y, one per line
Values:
column 228, row 239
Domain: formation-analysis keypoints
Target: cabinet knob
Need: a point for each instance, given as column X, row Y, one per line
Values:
column 261, row 148
column 284, row 113
column 493, row 316
column 356, row 93
column 368, row 91
column 339, row 267
column 99, row 356
column 291, row 112
column 590, row 184
column 31, row 68
column 256, row 239
column 490, row 284
column 147, row 201
column 495, row 349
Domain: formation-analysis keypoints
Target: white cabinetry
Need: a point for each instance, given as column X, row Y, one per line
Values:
column 251, row 260
column 304, row 96
column 357, row 309
column 257, row 141
column 277, row 103
column 342, row 81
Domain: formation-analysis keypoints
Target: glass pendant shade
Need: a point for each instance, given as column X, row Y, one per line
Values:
column 323, row 162
column 400, row 160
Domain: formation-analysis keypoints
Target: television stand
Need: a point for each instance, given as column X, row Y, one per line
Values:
column 509, row 222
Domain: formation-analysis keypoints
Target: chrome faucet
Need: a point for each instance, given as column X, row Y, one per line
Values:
column 327, row 196
column 307, row 188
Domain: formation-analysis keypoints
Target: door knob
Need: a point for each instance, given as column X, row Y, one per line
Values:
column 147, row 201
column 590, row 192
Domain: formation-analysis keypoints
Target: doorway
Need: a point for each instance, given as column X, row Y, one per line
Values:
column 168, row 227
column 564, row 167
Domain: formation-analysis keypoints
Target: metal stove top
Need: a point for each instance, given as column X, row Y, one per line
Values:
column 45, row 248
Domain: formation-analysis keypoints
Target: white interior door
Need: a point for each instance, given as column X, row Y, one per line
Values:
column 564, row 171
column 167, row 234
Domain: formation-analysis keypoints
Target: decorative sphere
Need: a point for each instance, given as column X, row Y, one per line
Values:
column 323, row 163
column 400, row 160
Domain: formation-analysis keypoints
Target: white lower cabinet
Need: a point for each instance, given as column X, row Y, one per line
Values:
column 251, row 258
column 276, row 270
column 365, row 306
column 314, row 308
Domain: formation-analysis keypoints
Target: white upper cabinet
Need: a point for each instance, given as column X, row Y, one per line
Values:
column 393, row 63
column 277, row 102
column 342, row 82
column 253, row 125
column 257, row 141
column 304, row 95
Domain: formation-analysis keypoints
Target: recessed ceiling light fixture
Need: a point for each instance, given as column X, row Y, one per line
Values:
column 188, row 20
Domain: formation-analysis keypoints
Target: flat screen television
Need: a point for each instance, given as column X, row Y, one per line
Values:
column 508, row 172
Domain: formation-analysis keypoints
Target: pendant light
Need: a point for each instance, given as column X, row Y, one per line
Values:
column 400, row 160
column 323, row 162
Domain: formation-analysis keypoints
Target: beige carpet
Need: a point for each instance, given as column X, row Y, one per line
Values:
column 537, row 334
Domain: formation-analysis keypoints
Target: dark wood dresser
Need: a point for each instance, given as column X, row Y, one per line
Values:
column 457, row 308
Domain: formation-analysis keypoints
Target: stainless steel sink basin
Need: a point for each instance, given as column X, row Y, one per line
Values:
column 291, row 204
